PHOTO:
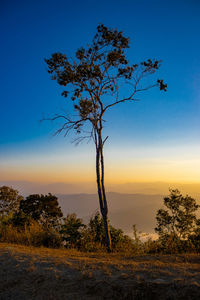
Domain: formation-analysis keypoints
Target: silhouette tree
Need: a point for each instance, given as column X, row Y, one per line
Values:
column 42, row 208
column 179, row 218
column 9, row 200
column 93, row 79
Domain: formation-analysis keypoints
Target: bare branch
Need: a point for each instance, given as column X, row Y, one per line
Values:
column 105, row 140
column 80, row 139
column 130, row 98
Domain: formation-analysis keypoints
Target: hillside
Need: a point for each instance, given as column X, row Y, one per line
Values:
column 34, row 273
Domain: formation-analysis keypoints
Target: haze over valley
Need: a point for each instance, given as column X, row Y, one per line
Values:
column 131, row 203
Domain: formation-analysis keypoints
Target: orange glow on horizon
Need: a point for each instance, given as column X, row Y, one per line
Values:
column 121, row 166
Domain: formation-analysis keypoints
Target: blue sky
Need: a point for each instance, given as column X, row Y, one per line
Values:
column 159, row 124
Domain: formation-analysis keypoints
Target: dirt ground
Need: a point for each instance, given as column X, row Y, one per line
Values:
column 48, row 274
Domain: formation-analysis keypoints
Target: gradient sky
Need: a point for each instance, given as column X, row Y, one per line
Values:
column 155, row 139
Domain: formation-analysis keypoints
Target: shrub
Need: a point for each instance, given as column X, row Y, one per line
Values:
column 93, row 237
column 71, row 231
column 31, row 235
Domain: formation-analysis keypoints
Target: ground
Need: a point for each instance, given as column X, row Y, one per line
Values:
column 54, row 274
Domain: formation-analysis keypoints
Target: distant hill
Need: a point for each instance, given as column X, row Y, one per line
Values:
column 147, row 188
column 124, row 209
column 130, row 203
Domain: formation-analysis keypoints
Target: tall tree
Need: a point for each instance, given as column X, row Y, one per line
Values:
column 93, row 79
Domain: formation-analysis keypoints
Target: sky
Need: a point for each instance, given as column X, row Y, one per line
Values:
column 154, row 139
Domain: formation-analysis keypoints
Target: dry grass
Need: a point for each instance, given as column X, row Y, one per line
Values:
column 43, row 273
column 32, row 235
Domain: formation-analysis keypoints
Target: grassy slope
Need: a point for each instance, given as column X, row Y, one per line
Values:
column 39, row 273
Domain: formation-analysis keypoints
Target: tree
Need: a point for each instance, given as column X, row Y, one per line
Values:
column 96, row 230
column 71, row 230
column 9, row 200
column 179, row 219
column 42, row 208
column 93, row 81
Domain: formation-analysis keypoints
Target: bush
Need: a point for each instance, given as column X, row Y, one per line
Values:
column 31, row 235
column 88, row 242
column 93, row 237
column 195, row 240
column 40, row 236
column 71, row 231
column 171, row 244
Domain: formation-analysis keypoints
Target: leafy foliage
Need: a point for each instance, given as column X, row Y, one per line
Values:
column 96, row 230
column 9, row 200
column 17, row 219
column 179, row 219
column 42, row 208
column 98, row 71
column 71, row 230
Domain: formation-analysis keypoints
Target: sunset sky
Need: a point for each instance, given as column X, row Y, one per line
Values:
column 154, row 139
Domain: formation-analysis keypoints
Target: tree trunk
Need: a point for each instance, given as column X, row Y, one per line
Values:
column 101, row 192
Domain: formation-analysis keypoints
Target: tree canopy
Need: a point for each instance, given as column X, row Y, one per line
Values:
column 95, row 77
column 42, row 208
column 179, row 218
column 9, row 200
